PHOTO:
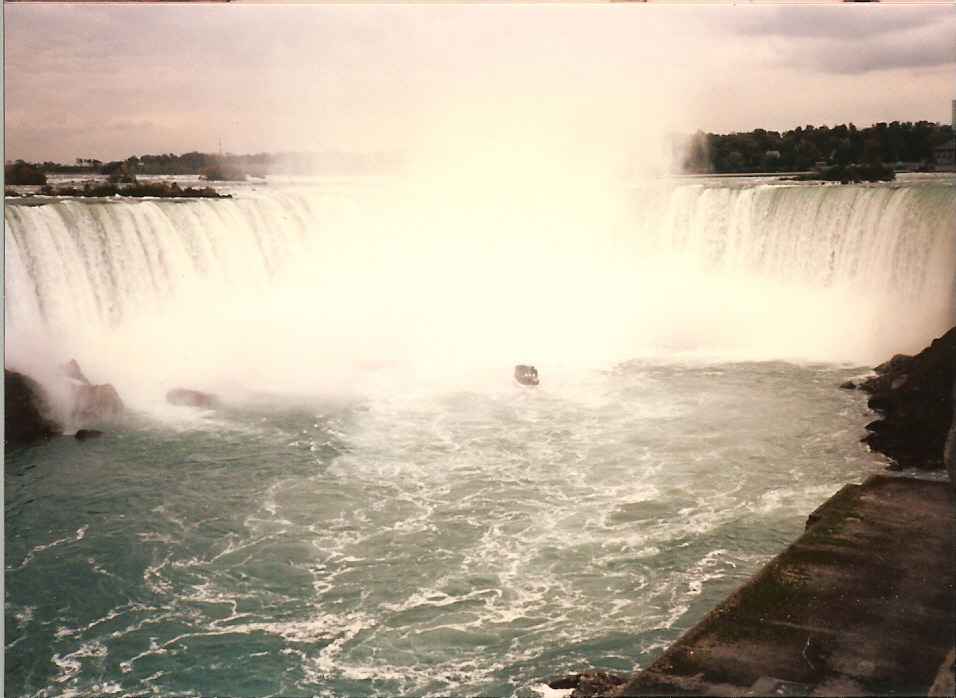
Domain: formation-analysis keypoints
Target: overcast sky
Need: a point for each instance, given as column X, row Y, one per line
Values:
column 109, row 81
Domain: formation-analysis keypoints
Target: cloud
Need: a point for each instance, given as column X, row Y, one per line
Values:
column 847, row 22
column 851, row 39
column 932, row 51
column 919, row 46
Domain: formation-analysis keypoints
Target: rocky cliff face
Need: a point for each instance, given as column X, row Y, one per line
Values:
column 949, row 453
column 914, row 397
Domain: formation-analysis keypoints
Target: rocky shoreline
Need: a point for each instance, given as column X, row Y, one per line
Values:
column 914, row 397
column 30, row 415
column 860, row 604
column 862, row 531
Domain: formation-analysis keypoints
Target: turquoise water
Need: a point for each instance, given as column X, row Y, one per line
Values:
column 444, row 540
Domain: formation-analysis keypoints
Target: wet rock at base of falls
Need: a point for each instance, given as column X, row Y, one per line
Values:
column 72, row 370
column 91, row 403
column 914, row 396
column 25, row 411
column 191, row 398
column 588, row 684
column 84, row 434
column 949, row 451
column 96, row 403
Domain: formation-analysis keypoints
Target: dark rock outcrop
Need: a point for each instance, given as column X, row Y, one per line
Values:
column 26, row 411
column 949, row 452
column 588, row 684
column 914, row 396
column 91, row 403
column 191, row 398
column 21, row 172
column 96, row 403
column 945, row 682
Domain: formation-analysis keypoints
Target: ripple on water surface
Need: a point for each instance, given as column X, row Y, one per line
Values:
column 443, row 541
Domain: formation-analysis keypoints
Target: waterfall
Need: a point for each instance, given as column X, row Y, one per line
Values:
column 315, row 275
column 97, row 263
column 878, row 238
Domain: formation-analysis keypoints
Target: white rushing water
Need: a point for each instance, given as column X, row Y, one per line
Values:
column 351, row 273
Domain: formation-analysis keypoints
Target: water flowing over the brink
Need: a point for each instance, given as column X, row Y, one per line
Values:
column 376, row 509
column 761, row 271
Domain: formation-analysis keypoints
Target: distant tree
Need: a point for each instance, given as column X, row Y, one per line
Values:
column 804, row 147
column 21, row 172
column 808, row 155
column 223, row 172
column 735, row 160
column 772, row 159
column 843, row 152
column 119, row 172
column 872, row 151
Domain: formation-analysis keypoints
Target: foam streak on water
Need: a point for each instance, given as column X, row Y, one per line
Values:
column 451, row 542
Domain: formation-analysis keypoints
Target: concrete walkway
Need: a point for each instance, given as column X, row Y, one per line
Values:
column 862, row 604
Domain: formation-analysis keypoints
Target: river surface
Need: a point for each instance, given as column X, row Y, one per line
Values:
column 464, row 542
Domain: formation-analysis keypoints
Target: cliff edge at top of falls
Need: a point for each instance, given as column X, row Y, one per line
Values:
column 914, row 397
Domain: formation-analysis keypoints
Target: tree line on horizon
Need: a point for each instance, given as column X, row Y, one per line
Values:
column 813, row 147
column 228, row 166
column 801, row 149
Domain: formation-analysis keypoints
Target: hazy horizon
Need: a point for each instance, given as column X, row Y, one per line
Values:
column 432, row 81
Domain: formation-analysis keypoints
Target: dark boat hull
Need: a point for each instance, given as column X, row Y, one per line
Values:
column 526, row 375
